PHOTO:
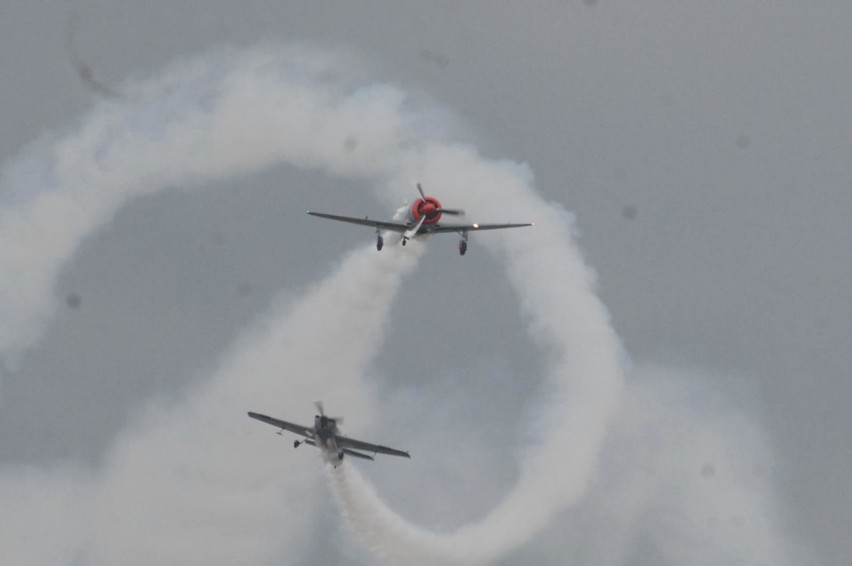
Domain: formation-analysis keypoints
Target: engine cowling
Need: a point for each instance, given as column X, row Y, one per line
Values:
column 427, row 207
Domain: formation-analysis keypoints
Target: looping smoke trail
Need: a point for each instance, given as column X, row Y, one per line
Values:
column 237, row 112
column 208, row 119
column 172, row 480
column 584, row 374
column 387, row 535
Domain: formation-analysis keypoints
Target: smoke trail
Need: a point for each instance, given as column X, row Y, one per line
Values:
column 685, row 478
column 583, row 381
column 182, row 469
column 208, row 127
column 203, row 120
column 181, row 459
column 584, row 389
column 176, row 485
column 388, row 536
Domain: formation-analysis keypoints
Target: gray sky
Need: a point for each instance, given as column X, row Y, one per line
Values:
column 699, row 146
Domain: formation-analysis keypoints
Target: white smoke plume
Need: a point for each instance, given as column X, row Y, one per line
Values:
column 208, row 119
column 196, row 463
column 685, row 478
column 174, row 484
column 176, row 487
column 584, row 377
column 189, row 483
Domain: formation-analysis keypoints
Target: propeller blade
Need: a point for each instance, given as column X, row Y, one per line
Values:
column 321, row 408
column 422, row 194
column 451, row 211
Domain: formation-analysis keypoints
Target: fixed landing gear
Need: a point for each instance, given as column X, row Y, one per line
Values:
column 340, row 456
column 296, row 443
column 463, row 244
column 380, row 242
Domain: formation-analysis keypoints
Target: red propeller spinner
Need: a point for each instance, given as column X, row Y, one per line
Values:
column 429, row 207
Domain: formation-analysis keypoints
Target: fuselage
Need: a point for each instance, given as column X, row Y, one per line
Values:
column 324, row 430
column 324, row 427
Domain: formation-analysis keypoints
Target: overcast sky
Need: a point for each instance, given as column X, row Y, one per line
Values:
column 702, row 148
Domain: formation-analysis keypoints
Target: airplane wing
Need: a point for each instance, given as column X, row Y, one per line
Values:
column 392, row 225
column 356, row 454
column 284, row 425
column 344, row 442
column 439, row 228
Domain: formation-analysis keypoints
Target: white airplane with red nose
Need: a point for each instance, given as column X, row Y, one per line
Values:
column 423, row 217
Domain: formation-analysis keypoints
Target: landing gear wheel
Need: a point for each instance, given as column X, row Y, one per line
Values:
column 380, row 243
column 462, row 247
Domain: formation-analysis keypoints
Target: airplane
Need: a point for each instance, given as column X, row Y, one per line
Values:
column 325, row 435
column 421, row 218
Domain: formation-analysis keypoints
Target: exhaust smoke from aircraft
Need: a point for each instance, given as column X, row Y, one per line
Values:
column 189, row 468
